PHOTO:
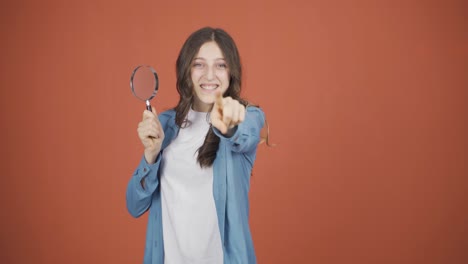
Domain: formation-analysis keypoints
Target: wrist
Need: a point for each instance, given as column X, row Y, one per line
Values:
column 151, row 155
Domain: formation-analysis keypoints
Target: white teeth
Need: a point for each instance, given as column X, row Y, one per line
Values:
column 208, row 86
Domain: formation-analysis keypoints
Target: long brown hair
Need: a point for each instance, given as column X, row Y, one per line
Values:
column 207, row 152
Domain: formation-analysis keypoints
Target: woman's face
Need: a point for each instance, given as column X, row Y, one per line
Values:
column 210, row 74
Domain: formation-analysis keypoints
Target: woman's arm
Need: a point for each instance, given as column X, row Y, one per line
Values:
column 141, row 187
column 145, row 179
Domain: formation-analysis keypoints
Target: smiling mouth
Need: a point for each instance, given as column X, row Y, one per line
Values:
column 209, row 87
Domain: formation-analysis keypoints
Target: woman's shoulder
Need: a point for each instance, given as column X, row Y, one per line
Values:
column 166, row 116
column 167, row 113
column 255, row 111
column 254, row 108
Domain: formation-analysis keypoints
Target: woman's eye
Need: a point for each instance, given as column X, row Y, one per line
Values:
column 222, row 66
column 197, row 65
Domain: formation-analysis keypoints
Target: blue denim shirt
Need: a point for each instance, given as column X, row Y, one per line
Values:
column 231, row 183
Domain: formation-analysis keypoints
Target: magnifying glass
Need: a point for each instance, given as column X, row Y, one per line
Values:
column 144, row 84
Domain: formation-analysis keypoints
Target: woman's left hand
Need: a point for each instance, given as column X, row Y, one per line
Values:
column 226, row 114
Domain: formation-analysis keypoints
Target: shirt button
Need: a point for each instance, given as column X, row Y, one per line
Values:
column 144, row 170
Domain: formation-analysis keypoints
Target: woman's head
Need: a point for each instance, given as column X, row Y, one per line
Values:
column 208, row 61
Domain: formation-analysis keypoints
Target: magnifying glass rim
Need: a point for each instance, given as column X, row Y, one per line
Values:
column 155, row 88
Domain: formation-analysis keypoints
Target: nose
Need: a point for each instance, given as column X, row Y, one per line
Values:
column 210, row 73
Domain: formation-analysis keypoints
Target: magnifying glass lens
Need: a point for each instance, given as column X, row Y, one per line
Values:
column 144, row 83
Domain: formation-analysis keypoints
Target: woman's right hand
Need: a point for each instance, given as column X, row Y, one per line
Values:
column 151, row 135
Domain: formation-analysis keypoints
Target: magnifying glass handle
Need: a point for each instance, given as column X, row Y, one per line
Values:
column 148, row 106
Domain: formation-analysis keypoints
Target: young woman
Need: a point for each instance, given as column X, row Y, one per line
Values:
column 194, row 176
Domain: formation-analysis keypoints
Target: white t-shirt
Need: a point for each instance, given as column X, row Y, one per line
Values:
column 190, row 224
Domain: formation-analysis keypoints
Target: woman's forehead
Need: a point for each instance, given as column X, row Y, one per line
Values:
column 210, row 50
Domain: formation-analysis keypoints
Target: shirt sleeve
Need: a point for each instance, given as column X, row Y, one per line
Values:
column 247, row 134
column 138, row 196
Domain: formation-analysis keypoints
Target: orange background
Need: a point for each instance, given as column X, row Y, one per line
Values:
column 366, row 102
